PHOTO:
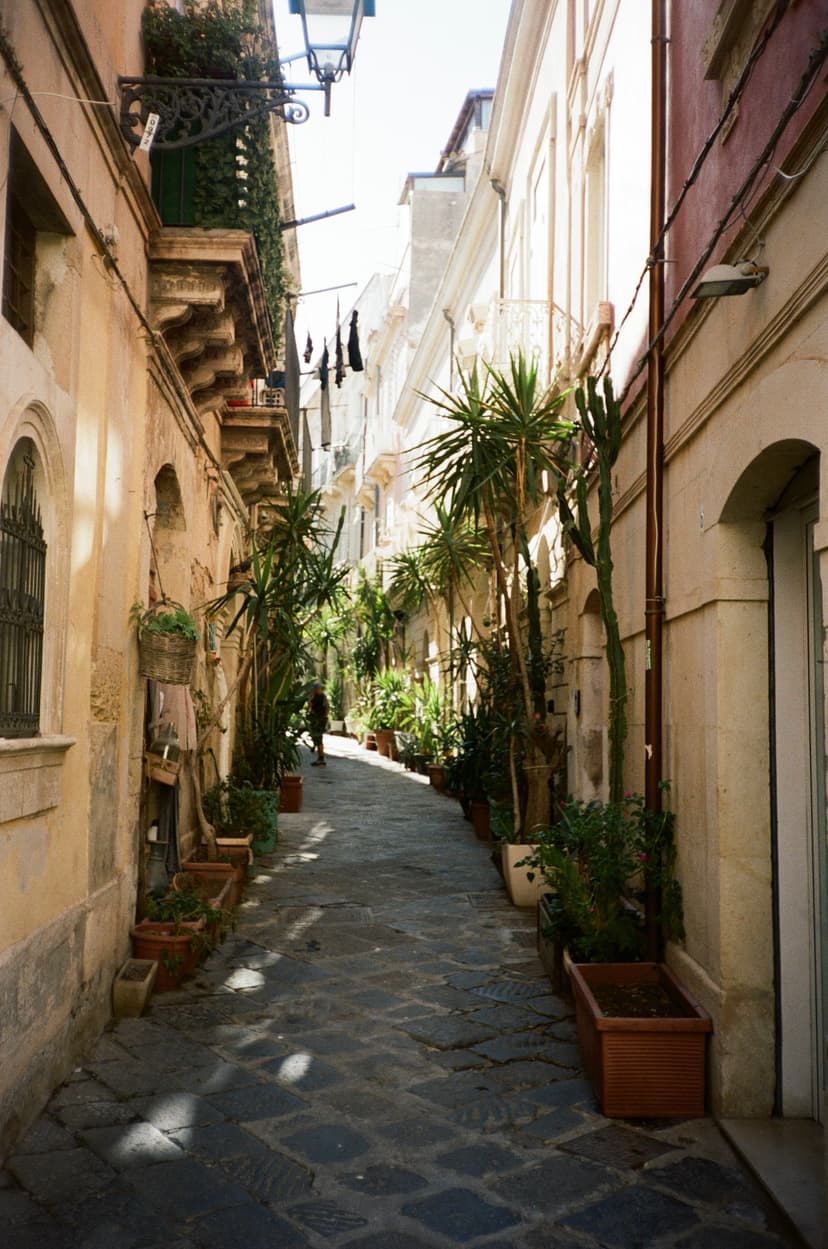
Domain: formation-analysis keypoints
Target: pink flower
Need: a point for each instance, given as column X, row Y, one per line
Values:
column 643, row 858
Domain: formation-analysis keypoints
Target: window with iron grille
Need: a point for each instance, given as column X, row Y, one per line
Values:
column 19, row 271
column 22, row 593
column 33, row 218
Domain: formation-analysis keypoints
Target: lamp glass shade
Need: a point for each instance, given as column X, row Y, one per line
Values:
column 331, row 29
column 729, row 280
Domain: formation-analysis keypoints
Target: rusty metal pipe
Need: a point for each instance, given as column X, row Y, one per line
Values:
column 654, row 591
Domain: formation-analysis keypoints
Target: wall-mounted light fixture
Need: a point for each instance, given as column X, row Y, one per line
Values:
column 730, row 280
column 331, row 30
column 171, row 113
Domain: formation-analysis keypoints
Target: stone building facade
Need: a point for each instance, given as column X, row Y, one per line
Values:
column 131, row 464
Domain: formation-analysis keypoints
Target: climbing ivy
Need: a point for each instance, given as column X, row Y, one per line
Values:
column 234, row 175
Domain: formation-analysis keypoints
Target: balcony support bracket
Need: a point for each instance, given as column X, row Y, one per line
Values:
column 192, row 110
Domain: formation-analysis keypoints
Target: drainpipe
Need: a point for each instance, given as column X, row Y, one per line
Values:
column 501, row 194
column 654, row 602
column 452, row 336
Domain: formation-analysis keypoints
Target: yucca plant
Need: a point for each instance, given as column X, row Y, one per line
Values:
column 487, row 470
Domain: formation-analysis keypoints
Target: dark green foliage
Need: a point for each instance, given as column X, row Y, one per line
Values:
column 601, row 422
column 235, row 808
column 293, row 576
column 600, row 859
column 504, row 441
column 375, row 627
column 234, row 181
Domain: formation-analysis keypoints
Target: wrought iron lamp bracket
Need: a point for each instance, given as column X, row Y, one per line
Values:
column 192, row 110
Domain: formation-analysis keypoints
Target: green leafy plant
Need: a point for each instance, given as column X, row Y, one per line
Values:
column 235, row 808
column 600, row 859
column 375, row 624
column 233, row 175
column 293, row 575
column 174, row 620
column 391, row 700
column 505, row 438
column 601, row 423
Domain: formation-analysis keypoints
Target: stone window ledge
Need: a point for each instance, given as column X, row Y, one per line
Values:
column 30, row 774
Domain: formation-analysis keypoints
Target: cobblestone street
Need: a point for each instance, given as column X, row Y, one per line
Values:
column 373, row 1059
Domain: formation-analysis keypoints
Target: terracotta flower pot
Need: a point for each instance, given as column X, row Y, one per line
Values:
column 215, row 876
column 290, row 794
column 385, row 742
column 176, row 948
column 479, row 815
column 648, row 1066
column 437, row 777
column 239, row 851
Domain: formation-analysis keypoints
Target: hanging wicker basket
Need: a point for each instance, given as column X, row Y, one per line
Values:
column 165, row 657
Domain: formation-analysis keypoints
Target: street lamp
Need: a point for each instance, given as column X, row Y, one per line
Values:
column 172, row 113
column 729, row 280
column 331, row 30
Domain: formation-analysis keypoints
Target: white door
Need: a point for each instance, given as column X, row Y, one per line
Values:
column 799, row 792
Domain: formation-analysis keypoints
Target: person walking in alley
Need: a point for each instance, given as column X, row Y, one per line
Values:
column 317, row 722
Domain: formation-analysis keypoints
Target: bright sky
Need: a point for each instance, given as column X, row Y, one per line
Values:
column 415, row 62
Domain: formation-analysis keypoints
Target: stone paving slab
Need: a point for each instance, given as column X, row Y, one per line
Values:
column 373, row 1060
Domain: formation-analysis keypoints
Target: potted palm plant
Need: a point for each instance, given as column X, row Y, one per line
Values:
column 293, row 575
column 392, row 708
column 505, row 437
column 641, row 1034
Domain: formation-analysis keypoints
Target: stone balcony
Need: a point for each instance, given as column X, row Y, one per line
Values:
column 207, row 301
column 537, row 327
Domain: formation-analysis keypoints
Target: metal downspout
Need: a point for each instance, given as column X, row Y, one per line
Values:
column 654, row 602
column 500, row 192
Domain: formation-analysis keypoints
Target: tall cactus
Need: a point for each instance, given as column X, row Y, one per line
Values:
column 601, row 422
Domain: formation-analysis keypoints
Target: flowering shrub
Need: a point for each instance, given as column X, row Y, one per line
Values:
column 600, row 859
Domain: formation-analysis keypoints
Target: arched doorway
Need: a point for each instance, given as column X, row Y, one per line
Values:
column 777, row 499
column 798, row 791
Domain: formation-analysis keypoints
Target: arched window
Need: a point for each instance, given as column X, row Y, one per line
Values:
column 22, row 593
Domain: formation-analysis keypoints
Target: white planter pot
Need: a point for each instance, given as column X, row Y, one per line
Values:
column 133, row 986
column 522, row 891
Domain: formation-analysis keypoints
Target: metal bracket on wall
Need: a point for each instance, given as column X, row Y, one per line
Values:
column 192, row 110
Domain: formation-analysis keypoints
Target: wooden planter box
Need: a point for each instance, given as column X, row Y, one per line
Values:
column 650, row 1068
column 132, row 987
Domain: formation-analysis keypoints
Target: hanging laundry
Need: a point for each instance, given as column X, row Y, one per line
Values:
column 340, row 359
column 354, row 354
column 325, row 416
column 323, row 368
column 308, row 352
column 292, row 371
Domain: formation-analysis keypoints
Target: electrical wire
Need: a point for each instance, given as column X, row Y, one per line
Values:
column 816, row 60
column 698, row 164
column 56, row 95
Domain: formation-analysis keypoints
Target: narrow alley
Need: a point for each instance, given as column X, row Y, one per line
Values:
column 372, row 1060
